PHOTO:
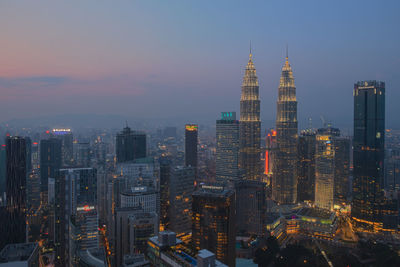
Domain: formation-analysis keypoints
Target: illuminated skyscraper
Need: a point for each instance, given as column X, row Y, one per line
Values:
column 324, row 170
column 227, row 147
column 250, row 124
column 369, row 207
column 214, row 222
column 191, row 140
column 284, row 181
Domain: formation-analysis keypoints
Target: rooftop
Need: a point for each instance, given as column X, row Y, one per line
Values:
column 17, row 252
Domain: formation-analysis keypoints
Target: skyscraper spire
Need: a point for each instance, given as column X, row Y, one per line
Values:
column 250, row 55
column 250, row 124
column 287, row 52
column 284, row 182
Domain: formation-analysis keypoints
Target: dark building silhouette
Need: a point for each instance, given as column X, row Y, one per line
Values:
column 15, row 190
column 370, row 209
column 165, row 180
column 342, row 170
column 250, row 125
column 67, row 138
column 75, row 211
column 3, row 174
column 191, row 141
column 284, row 180
column 50, row 162
column 213, row 222
column 130, row 145
column 250, row 207
column 181, row 188
column 306, row 166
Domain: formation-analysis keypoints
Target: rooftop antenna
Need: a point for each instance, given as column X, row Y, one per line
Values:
column 287, row 51
column 250, row 50
column 126, row 121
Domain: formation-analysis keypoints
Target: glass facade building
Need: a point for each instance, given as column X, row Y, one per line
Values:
column 130, row 145
column 369, row 206
column 214, row 222
column 250, row 125
column 284, row 180
column 227, row 133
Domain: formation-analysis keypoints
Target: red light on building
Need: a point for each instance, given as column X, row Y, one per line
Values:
column 35, row 143
column 47, row 132
column 266, row 170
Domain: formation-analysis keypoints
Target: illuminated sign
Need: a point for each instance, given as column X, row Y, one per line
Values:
column 228, row 115
column 61, row 131
column 191, row 127
column 85, row 208
column 212, row 187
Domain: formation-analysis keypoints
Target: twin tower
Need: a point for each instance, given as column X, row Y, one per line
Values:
column 284, row 180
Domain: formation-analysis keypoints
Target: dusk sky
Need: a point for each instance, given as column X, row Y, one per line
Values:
column 186, row 59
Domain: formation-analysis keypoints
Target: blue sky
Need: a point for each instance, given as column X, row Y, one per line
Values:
column 186, row 58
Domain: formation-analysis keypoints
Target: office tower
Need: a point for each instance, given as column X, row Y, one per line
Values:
column 140, row 172
column 180, row 199
column 141, row 196
column 191, row 140
column 342, row 170
column 16, row 197
column 3, row 175
column 35, row 156
column 392, row 171
column 50, row 162
column 214, row 222
column 165, row 180
column 306, row 166
column 82, row 154
column 284, row 182
column 28, row 144
column 227, row 161
column 250, row 207
column 33, row 190
column 250, row 124
column 76, row 219
column 368, row 207
column 270, row 145
column 130, row 145
column 324, row 170
column 133, row 228
column 67, row 138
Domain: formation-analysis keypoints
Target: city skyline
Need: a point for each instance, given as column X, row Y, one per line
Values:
column 122, row 67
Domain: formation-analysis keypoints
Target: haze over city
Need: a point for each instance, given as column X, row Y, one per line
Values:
column 184, row 60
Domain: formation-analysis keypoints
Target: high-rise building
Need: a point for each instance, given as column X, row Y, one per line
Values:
column 250, row 124
column 306, row 166
column 342, row 170
column 75, row 210
column 133, row 228
column 214, row 222
column 191, row 141
column 227, row 161
column 3, row 175
column 50, row 162
column 180, row 199
column 284, row 181
column 15, row 190
column 130, row 145
column 82, row 155
column 324, row 170
column 250, row 207
column 67, row 138
column 165, row 180
column 369, row 207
